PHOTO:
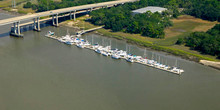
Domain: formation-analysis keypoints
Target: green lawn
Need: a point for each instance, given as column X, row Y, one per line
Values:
column 183, row 26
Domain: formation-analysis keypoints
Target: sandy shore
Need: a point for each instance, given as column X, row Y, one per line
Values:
column 210, row 63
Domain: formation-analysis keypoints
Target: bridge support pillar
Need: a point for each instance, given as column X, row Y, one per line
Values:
column 15, row 31
column 38, row 24
column 18, row 27
column 35, row 27
column 74, row 15
column 57, row 23
column 71, row 17
column 53, row 22
column 15, row 28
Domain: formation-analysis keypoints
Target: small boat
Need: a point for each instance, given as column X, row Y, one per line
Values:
column 95, row 46
column 76, row 40
column 80, row 45
column 130, row 59
column 49, row 33
column 70, row 42
column 116, row 56
column 86, row 44
column 104, row 53
column 122, row 53
column 98, row 51
column 64, row 38
column 175, row 70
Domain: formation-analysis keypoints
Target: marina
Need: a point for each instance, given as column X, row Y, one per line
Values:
column 38, row 72
column 65, row 66
column 114, row 53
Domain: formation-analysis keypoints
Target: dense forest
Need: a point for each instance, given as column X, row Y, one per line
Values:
column 121, row 19
column 205, row 42
column 147, row 24
column 205, row 9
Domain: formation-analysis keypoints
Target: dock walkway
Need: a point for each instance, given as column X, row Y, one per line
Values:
column 88, row 30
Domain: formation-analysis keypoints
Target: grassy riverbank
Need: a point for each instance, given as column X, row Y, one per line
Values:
column 182, row 26
column 6, row 5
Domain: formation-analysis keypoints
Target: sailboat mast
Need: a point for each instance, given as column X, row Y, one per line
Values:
column 152, row 56
column 92, row 39
column 176, row 63
column 166, row 62
column 126, row 48
column 144, row 53
column 83, row 26
column 67, row 31
column 129, row 49
column 159, row 59
column 103, row 42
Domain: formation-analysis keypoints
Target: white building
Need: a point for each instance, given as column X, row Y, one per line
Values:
column 152, row 9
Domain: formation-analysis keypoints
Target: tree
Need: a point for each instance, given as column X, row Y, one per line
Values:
column 205, row 42
column 28, row 5
column 180, row 41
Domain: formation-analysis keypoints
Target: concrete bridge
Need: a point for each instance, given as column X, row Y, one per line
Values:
column 72, row 11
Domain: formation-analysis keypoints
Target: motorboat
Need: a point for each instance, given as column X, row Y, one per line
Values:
column 130, row 59
column 49, row 33
column 116, row 56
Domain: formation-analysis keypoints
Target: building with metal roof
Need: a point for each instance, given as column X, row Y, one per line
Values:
column 152, row 9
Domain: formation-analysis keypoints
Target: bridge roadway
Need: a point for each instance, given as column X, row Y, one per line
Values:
column 51, row 18
column 63, row 10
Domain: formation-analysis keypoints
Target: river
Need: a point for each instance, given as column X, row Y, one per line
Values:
column 38, row 73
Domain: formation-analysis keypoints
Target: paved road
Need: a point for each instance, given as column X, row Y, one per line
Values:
column 63, row 10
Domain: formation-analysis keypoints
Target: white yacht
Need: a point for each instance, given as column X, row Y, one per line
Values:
column 116, row 56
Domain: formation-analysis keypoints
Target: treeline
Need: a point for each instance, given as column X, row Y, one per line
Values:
column 44, row 5
column 205, row 42
column 205, row 9
column 121, row 19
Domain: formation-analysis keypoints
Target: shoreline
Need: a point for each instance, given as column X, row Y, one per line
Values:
column 170, row 51
column 212, row 64
column 143, row 44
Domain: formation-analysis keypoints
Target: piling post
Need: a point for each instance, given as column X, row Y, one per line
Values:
column 57, row 20
column 18, row 27
column 38, row 24
column 35, row 27
column 70, row 15
column 15, row 31
column 53, row 22
column 74, row 15
column 87, row 11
